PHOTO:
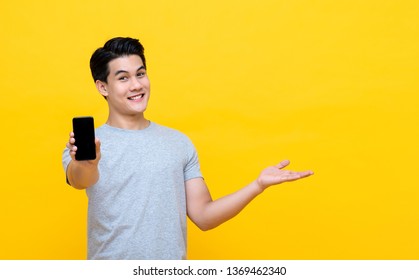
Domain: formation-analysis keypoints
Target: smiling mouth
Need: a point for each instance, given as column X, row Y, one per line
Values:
column 136, row 97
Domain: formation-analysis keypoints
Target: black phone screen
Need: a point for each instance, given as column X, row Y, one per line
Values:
column 84, row 134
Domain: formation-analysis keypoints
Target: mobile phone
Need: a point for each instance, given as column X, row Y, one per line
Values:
column 84, row 134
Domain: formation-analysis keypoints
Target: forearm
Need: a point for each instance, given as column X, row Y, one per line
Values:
column 207, row 214
column 82, row 176
column 223, row 209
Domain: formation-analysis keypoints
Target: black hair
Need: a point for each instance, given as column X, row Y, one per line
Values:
column 114, row 48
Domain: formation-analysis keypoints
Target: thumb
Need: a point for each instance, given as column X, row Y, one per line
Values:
column 283, row 164
column 97, row 144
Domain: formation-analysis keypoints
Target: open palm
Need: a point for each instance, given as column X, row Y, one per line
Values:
column 274, row 175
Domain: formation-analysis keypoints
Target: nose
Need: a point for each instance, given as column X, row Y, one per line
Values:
column 135, row 85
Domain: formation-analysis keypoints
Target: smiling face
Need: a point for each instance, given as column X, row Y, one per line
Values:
column 127, row 89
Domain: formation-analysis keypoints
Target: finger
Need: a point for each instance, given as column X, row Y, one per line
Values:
column 306, row 173
column 72, row 140
column 302, row 174
column 283, row 164
column 72, row 152
column 97, row 144
column 70, row 143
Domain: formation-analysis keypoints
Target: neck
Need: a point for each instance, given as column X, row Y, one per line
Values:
column 137, row 122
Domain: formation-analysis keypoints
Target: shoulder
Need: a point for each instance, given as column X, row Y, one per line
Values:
column 102, row 129
column 171, row 132
column 172, row 135
column 107, row 131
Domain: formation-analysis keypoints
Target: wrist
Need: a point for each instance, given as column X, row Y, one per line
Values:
column 258, row 187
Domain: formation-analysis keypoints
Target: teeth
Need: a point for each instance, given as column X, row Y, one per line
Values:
column 136, row 97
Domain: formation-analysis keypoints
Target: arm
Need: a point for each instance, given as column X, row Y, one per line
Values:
column 82, row 174
column 208, row 214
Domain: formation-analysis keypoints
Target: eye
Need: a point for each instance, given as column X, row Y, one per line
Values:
column 123, row 78
column 141, row 74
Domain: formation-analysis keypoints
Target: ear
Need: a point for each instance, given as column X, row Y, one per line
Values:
column 102, row 88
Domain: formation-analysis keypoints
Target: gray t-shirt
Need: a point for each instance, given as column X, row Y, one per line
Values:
column 137, row 209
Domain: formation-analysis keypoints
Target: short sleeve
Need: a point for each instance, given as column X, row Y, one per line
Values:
column 66, row 159
column 192, row 168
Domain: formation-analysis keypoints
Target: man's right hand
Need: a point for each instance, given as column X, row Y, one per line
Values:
column 82, row 174
column 73, row 150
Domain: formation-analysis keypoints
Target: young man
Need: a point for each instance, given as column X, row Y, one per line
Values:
column 146, row 178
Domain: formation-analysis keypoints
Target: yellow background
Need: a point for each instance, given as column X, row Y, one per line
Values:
column 330, row 85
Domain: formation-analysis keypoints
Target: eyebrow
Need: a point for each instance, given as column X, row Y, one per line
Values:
column 124, row 71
